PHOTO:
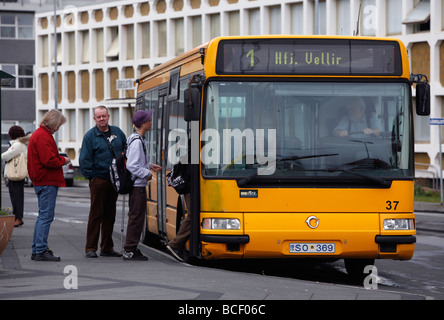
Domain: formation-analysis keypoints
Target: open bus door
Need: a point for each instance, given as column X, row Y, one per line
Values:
column 192, row 106
column 161, row 160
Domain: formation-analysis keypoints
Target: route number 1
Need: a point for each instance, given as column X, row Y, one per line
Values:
column 250, row 54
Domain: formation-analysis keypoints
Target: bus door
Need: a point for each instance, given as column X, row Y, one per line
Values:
column 161, row 160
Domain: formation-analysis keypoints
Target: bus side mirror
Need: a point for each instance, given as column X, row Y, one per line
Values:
column 192, row 98
column 423, row 99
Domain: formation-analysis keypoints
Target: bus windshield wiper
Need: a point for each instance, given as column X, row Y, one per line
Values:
column 296, row 157
column 243, row 181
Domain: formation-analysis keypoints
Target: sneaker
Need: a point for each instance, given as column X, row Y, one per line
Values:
column 176, row 253
column 46, row 256
column 134, row 255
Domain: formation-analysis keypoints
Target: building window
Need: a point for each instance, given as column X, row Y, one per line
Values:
column 17, row 26
column 162, row 38
column 129, row 41
column 25, row 26
column 254, row 21
column 85, row 46
column 275, row 19
column 23, row 73
column 214, row 25
column 85, row 121
column 179, row 36
column 419, row 16
column 44, row 51
column 297, row 18
column 72, row 125
column 99, row 46
column 71, row 48
column 146, row 40
column 7, row 22
column 59, row 50
column 26, row 76
column 11, row 69
column 114, row 112
column 343, row 18
column 394, row 18
column 112, row 53
column 234, row 23
column 197, row 30
column 321, row 19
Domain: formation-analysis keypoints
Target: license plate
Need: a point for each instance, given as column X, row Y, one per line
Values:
column 312, row 247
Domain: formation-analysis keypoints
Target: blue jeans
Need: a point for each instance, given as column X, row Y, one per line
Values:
column 46, row 196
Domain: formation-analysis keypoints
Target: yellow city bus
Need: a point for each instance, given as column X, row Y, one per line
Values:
column 281, row 165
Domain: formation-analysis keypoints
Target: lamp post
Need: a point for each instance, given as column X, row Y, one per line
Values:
column 5, row 81
column 56, row 85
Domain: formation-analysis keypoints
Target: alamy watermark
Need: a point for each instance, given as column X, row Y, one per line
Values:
column 371, row 281
column 70, row 17
column 71, row 280
column 225, row 147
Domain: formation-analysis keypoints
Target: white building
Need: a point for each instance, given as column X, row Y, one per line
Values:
column 17, row 57
column 99, row 44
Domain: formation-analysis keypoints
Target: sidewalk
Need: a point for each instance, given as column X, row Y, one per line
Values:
column 161, row 278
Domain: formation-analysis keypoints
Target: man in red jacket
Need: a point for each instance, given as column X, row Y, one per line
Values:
column 46, row 173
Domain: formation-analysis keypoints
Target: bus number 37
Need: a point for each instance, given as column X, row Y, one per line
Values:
column 391, row 205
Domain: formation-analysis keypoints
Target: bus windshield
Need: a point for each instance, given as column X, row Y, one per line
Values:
column 307, row 131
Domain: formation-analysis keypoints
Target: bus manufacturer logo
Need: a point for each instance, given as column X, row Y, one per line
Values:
column 312, row 222
column 248, row 193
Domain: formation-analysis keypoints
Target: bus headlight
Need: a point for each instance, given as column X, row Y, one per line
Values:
column 221, row 224
column 399, row 224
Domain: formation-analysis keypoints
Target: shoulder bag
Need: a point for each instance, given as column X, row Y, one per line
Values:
column 17, row 169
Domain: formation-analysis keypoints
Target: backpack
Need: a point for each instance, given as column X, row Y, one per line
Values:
column 120, row 177
column 179, row 178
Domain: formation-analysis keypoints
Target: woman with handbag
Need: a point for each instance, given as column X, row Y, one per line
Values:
column 16, row 171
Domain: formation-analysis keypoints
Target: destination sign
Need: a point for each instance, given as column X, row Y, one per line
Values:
column 308, row 57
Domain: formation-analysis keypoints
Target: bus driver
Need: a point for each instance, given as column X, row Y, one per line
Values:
column 357, row 122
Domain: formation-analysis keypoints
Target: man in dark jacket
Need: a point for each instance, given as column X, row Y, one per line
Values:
column 96, row 156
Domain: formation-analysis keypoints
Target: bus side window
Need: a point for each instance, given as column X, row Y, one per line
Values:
column 177, row 122
column 147, row 104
